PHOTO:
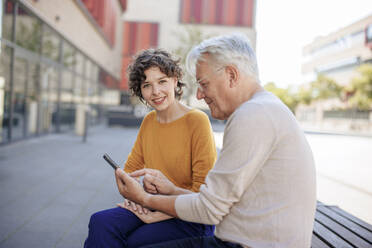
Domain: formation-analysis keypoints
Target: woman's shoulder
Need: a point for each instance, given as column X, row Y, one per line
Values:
column 196, row 116
column 149, row 117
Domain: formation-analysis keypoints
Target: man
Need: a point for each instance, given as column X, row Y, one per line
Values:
column 261, row 191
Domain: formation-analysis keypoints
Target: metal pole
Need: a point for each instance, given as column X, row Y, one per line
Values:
column 85, row 134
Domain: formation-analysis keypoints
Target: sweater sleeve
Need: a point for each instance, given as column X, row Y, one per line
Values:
column 203, row 150
column 135, row 159
column 249, row 139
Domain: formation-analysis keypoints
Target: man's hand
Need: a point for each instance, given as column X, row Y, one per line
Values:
column 151, row 217
column 155, row 182
column 129, row 188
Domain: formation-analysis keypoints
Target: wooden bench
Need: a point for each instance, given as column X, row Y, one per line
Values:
column 336, row 228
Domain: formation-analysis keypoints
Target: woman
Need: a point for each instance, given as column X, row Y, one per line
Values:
column 174, row 139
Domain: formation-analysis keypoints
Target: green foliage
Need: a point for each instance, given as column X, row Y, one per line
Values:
column 189, row 38
column 304, row 95
column 285, row 95
column 358, row 93
column 29, row 37
column 324, row 88
column 361, row 88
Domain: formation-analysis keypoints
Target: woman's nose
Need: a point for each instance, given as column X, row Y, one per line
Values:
column 155, row 89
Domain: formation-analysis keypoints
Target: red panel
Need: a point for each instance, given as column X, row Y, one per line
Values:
column 248, row 15
column 132, row 37
column 123, row 4
column 219, row 11
column 144, row 38
column 124, row 79
column 230, row 13
column 112, row 29
column 154, row 35
column 126, row 38
column 90, row 4
column 240, row 13
column 197, row 10
column 186, row 11
column 95, row 9
column 211, row 11
column 9, row 7
column 101, row 12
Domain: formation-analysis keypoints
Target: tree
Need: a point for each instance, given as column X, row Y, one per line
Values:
column 191, row 37
column 285, row 95
column 361, row 88
column 324, row 88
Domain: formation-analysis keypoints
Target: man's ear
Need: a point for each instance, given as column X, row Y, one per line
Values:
column 233, row 75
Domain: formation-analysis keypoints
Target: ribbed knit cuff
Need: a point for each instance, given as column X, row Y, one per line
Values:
column 184, row 207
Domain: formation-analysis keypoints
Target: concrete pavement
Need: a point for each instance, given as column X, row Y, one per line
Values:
column 49, row 186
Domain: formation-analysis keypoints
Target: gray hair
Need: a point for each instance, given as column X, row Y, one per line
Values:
column 226, row 49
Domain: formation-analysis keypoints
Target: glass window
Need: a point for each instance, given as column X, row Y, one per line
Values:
column 67, row 81
column 69, row 59
column 28, row 30
column 78, row 90
column 50, row 43
column 19, row 98
column 94, row 72
column 4, row 92
column 67, row 108
column 6, row 19
column 79, row 63
column 32, row 97
column 88, row 68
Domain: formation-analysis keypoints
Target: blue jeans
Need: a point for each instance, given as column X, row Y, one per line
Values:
column 195, row 242
column 118, row 227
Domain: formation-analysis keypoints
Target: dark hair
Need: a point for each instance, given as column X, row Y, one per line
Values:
column 153, row 58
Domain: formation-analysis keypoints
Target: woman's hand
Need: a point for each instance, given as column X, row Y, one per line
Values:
column 129, row 188
column 155, row 182
column 150, row 217
column 134, row 207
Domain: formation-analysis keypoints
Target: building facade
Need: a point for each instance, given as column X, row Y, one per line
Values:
column 57, row 56
column 168, row 24
column 338, row 54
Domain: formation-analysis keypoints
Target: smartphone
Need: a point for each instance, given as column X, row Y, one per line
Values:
column 110, row 161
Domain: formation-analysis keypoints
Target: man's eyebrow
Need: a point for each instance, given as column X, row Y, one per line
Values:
column 199, row 80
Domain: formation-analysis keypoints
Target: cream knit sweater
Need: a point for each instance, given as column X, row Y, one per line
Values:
column 261, row 191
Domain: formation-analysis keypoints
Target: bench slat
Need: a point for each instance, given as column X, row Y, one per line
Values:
column 351, row 217
column 341, row 231
column 316, row 242
column 329, row 237
column 346, row 222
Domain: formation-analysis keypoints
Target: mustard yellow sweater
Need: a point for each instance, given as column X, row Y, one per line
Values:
column 183, row 150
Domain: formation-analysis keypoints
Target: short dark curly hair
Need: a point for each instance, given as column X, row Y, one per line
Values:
column 153, row 58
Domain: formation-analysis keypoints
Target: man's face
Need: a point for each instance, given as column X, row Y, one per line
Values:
column 213, row 87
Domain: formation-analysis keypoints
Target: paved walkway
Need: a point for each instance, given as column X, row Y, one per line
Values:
column 49, row 186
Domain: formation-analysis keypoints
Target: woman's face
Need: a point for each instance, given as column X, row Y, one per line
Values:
column 158, row 89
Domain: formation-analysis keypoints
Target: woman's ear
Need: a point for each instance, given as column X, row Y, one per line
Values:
column 233, row 75
column 175, row 82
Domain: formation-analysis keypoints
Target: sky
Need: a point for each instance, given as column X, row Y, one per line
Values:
column 285, row 26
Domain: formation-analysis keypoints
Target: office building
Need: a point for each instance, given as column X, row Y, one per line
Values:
column 56, row 57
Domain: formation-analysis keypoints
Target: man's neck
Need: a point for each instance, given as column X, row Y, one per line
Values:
column 245, row 92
